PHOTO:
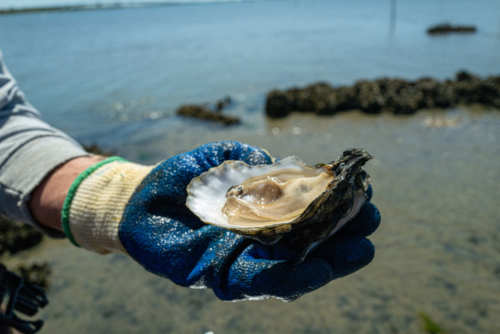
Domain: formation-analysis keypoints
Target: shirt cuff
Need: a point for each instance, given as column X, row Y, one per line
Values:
column 26, row 169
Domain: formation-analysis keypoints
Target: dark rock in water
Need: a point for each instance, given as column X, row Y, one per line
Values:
column 446, row 28
column 278, row 104
column 396, row 96
column 368, row 96
column 204, row 113
column 38, row 274
column 221, row 104
column 16, row 237
column 465, row 76
column 96, row 149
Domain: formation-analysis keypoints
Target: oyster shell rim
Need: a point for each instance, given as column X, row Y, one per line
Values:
column 271, row 233
column 241, row 164
column 341, row 201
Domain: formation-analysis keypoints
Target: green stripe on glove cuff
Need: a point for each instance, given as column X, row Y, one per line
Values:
column 95, row 203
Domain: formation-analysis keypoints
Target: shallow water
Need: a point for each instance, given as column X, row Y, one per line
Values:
column 437, row 249
column 435, row 173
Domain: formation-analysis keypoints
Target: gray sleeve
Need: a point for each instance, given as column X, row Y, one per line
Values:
column 29, row 150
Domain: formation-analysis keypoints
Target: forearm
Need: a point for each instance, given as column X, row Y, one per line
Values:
column 48, row 198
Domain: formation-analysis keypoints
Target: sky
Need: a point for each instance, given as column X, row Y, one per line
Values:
column 4, row 4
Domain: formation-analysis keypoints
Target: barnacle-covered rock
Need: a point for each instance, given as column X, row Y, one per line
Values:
column 396, row 96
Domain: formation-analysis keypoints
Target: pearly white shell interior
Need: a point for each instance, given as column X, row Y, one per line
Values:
column 207, row 193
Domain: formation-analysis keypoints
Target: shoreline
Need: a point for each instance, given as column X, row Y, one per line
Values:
column 81, row 8
column 71, row 8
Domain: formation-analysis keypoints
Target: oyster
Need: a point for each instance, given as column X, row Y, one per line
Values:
column 267, row 202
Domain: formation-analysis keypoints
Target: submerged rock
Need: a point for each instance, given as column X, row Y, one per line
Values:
column 94, row 148
column 396, row 96
column 16, row 237
column 38, row 274
column 221, row 104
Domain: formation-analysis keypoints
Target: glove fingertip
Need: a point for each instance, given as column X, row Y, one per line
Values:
column 365, row 223
column 301, row 279
column 345, row 255
column 263, row 279
column 233, row 150
column 258, row 157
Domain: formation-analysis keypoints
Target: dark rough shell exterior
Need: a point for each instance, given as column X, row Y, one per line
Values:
column 326, row 211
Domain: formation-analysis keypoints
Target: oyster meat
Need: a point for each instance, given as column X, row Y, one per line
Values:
column 267, row 202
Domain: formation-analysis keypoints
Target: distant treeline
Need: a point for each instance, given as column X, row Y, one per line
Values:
column 116, row 5
column 82, row 7
column 57, row 8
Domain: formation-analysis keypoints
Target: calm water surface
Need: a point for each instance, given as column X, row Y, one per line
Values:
column 104, row 75
column 116, row 77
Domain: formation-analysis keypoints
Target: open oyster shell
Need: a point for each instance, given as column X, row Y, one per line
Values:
column 265, row 202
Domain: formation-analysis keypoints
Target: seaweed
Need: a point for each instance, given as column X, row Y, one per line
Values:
column 429, row 326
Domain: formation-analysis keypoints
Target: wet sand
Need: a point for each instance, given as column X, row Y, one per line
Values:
column 435, row 179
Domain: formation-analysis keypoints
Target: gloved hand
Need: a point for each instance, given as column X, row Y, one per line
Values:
column 137, row 210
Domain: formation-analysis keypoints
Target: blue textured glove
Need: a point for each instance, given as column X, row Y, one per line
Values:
column 161, row 234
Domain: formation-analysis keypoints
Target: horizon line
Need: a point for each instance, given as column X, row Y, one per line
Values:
column 116, row 5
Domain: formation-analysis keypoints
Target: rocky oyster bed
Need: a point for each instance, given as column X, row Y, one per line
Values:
column 288, row 199
column 396, row 96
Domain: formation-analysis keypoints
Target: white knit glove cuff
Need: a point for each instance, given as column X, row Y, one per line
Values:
column 95, row 204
